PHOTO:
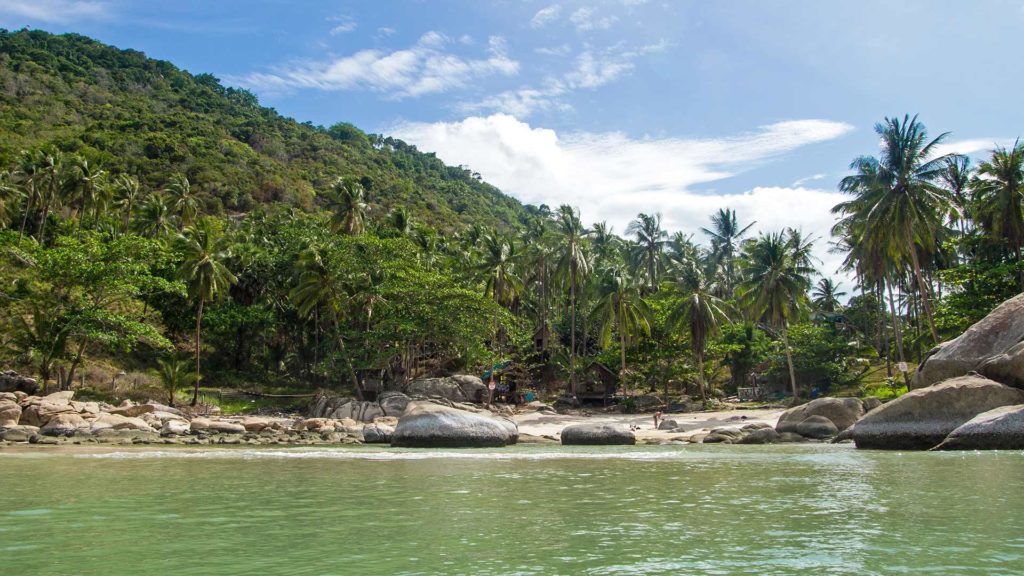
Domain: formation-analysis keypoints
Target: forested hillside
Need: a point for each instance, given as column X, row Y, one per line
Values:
column 131, row 114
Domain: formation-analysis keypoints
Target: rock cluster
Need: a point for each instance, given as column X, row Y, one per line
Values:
column 430, row 425
column 597, row 435
column 11, row 381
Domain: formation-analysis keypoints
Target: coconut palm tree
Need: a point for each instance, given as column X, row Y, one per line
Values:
column 649, row 254
column 10, row 196
column 50, row 166
column 86, row 181
column 574, row 266
column 174, row 375
column 697, row 310
column 347, row 206
column 183, row 200
column 155, row 218
column 620, row 305
column 826, row 296
column 898, row 196
column 999, row 197
column 400, row 220
column 127, row 193
column 204, row 252
column 774, row 286
column 726, row 234
column 956, row 175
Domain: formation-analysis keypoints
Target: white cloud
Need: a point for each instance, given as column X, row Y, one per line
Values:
column 972, row 147
column 544, row 16
column 424, row 68
column 612, row 177
column 55, row 11
column 345, row 24
column 385, row 31
column 584, row 20
column 807, row 179
column 562, row 50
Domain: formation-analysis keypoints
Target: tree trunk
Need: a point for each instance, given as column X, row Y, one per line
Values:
column 921, row 287
column 897, row 331
column 572, row 330
column 348, row 361
column 700, row 375
column 66, row 385
column 789, row 360
column 199, row 325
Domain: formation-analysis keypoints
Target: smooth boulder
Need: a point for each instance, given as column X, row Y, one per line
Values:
column 992, row 336
column 922, row 418
column 427, row 425
column 842, row 412
column 998, row 429
column 64, row 424
column 457, row 388
column 597, row 435
column 10, row 413
column 817, row 427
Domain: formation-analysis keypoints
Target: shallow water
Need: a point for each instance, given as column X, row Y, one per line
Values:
column 525, row 510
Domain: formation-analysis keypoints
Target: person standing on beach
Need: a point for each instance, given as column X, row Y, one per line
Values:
column 657, row 419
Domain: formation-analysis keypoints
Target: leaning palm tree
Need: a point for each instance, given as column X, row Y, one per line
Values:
column 202, row 268
column 726, row 234
column 127, row 193
column 774, row 286
column 347, row 206
column 826, row 296
column 651, row 239
column 897, row 196
column 621, row 305
column 174, row 376
column 10, row 196
column 183, row 200
column 697, row 310
column 574, row 266
column 999, row 197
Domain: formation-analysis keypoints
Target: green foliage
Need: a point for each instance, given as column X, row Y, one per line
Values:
column 975, row 289
column 822, row 356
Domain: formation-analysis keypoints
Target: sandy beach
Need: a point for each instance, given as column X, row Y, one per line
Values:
column 547, row 424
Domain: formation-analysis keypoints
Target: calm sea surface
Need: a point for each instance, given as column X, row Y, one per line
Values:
column 525, row 510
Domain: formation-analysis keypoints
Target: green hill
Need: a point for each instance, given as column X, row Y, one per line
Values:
column 134, row 114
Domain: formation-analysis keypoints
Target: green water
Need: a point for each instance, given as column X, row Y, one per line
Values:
column 525, row 510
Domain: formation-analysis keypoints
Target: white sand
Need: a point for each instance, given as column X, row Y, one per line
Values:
column 546, row 424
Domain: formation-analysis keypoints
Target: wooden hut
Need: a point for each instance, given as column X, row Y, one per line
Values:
column 596, row 382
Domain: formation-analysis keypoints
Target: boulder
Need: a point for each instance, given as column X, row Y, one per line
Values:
column 817, row 427
column 177, row 427
column 119, row 422
column 870, row 403
column 993, row 340
column 377, row 433
column 668, row 425
column 998, row 429
column 157, row 407
column 11, row 381
column 922, row 418
column 40, row 413
column 255, row 423
column 597, row 434
column 457, row 388
column 10, row 413
column 225, row 427
column 11, row 396
column 842, row 412
column 199, row 424
column 64, row 424
column 133, row 411
column 393, row 403
column 18, row 433
column 325, row 405
column 427, row 425
column 760, row 436
column 63, row 397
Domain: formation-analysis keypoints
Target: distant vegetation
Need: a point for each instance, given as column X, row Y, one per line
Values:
column 158, row 223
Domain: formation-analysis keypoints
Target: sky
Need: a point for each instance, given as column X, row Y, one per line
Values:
column 614, row 106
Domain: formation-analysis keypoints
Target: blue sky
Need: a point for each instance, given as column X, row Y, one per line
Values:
column 616, row 106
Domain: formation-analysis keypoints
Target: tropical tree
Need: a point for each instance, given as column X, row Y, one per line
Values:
column 999, row 197
column 182, row 199
column 620, row 305
column 204, row 251
column 87, row 182
column 898, row 198
column 400, row 220
column 957, row 177
column 156, row 219
column 774, row 286
column 651, row 240
column 174, row 375
column 726, row 234
column 825, row 297
column 127, row 192
column 573, row 266
column 348, row 207
column 697, row 310
column 10, row 195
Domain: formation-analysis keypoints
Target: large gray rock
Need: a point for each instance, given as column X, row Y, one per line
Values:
column 11, row 381
column 18, row 433
column 64, row 424
column 998, row 429
column 457, row 388
column 922, row 418
column 10, row 413
column 377, row 434
column 393, row 403
column 428, row 425
column 843, row 412
column 760, row 436
column 597, row 434
column 817, row 427
column 993, row 336
column 325, row 405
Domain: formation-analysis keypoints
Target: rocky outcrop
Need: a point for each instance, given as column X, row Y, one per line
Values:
column 842, row 412
column 11, row 381
column 457, row 388
column 989, row 347
column 377, row 434
column 325, row 405
column 428, row 425
column 597, row 435
column 998, row 429
column 10, row 413
column 922, row 418
column 64, row 424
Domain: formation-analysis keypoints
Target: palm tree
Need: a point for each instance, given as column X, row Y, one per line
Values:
column 620, row 305
column 897, row 195
column 87, row 182
column 50, row 164
column 156, row 220
column 826, row 296
column 726, row 233
column 574, row 266
column 774, row 286
column 651, row 240
column 999, row 197
column 957, row 176
column 10, row 194
column 347, row 206
column 399, row 219
column 204, row 252
column 697, row 310
column 174, row 376
column 182, row 199
column 127, row 190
